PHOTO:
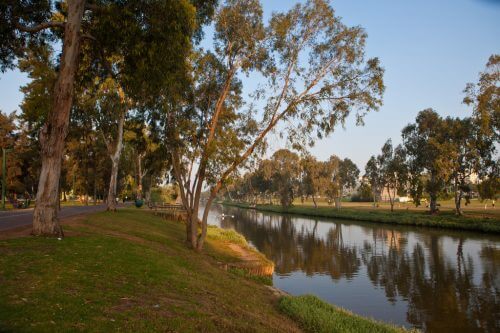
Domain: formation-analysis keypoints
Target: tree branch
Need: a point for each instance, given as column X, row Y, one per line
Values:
column 41, row 26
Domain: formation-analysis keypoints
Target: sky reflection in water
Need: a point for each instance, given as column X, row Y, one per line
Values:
column 437, row 281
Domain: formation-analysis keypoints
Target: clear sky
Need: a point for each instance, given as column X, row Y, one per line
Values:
column 429, row 48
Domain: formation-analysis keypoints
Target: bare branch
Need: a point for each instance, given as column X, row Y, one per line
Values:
column 41, row 26
column 88, row 36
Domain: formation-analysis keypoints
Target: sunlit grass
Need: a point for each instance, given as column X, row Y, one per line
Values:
column 128, row 271
column 316, row 316
column 420, row 218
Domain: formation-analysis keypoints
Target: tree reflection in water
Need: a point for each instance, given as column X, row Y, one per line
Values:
column 427, row 269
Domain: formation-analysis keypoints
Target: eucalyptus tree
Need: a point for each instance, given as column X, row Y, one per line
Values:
column 393, row 170
column 316, row 177
column 108, row 106
column 285, row 176
column 489, row 188
column 428, row 150
column 332, row 190
column 154, row 37
column 472, row 153
column 346, row 178
column 316, row 75
column 373, row 173
column 484, row 97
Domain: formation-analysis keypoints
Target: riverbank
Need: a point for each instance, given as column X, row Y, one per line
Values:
column 132, row 271
column 442, row 220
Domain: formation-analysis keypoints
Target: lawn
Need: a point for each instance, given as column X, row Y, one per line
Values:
column 131, row 271
column 128, row 271
column 444, row 219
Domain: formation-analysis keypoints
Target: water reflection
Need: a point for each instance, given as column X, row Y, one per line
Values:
column 430, row 279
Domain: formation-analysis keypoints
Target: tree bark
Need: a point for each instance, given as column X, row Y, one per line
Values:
column 114, row 155
column 55, row 130
column 458, row 201
column 140, row 176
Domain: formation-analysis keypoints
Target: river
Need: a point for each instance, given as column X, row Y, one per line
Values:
column 430, row 279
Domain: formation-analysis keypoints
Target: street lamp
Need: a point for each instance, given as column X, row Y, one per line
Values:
column 4, row 175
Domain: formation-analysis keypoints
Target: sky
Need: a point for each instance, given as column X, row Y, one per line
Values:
column 430, row 49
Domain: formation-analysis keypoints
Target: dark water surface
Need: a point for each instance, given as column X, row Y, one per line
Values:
column 434, row 280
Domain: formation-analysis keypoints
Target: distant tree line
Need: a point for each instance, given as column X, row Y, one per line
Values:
column 439, row 157
column 443, row 155
column 287, row 176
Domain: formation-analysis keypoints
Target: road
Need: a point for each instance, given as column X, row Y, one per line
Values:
column 18, row 218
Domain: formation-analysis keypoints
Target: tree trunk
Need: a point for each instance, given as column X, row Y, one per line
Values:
column 314, row 201
column 55, row 130
column 458, row 201
column 140, row 176
column 338, row 199
column 114, row 155
column 391, row 199
column 337, row 202
column 433, row 203
column 148, row 192
column 111, row 202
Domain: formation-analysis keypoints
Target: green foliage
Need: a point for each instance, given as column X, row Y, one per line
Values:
column 484, row 97
column 317, row 316
column 363, row 193
column 489, row 189
column 15, row 42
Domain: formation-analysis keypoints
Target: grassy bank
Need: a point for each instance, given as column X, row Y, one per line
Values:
column 314, row 315
column 131, row 271
column 441, row 220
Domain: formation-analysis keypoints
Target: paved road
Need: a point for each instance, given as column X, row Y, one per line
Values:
column 17, row 218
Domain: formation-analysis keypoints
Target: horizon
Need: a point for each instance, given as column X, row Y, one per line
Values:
column 429, row 50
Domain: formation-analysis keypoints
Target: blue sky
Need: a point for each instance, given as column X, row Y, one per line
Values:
column 429, row 49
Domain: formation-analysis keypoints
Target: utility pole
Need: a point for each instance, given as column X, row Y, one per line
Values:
column 4, row 175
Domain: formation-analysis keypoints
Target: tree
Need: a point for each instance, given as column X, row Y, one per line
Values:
column 346, row 178
column 484, row 97
column 316, row 177
column 285, row 174
column 489, row 189
column 153, row 36
column 373, row 173
column 8, row 138
column 472, row 153
column 363, row 193
column 428, row 150
column 312, row 97
column 393, row 170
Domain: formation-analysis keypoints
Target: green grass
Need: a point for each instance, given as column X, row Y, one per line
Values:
column 441, row 220
column 316, row 316
column 227, row 235
column 128, row 271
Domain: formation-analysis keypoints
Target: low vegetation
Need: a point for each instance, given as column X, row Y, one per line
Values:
column 314, row 315
column 416, row 218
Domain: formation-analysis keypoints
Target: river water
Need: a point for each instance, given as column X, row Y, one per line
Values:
column 431, row 279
